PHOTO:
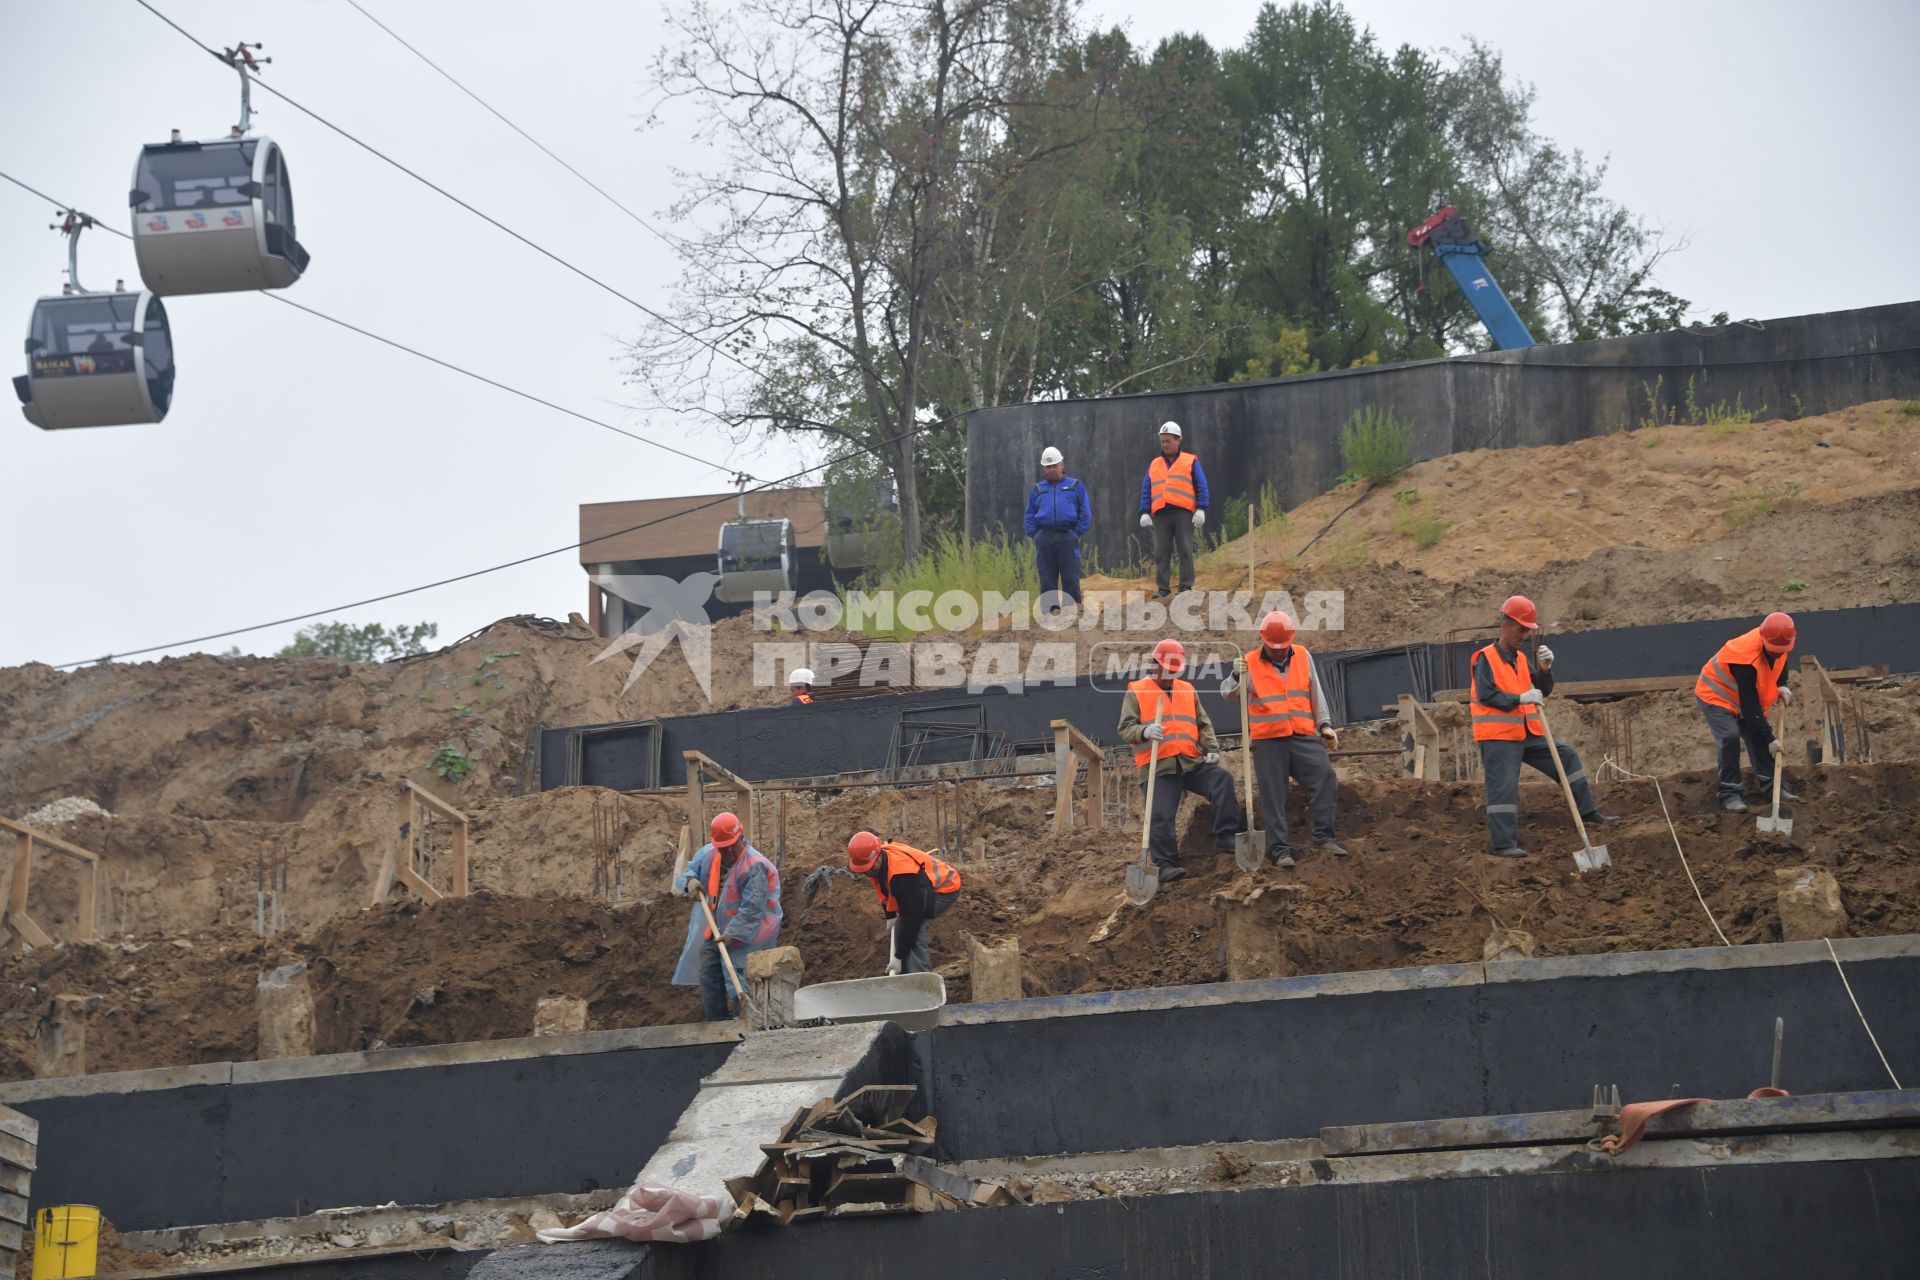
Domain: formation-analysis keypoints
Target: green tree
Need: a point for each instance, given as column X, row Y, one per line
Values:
column 372, row 642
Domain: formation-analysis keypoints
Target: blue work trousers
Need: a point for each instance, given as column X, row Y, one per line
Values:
column 1056, row 558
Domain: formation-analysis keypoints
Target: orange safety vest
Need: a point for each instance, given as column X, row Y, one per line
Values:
column 1716, row 684
column 1493, row 724
column 1282, row 702
column 905, row 860
column 1180, row 721
column 804, row 699
column 1173, row 485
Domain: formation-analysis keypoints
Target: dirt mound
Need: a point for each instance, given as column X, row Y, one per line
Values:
column 1416, row 891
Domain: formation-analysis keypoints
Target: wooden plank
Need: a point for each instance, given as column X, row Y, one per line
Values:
column 1065, row 766
column 18, row 1152
column 433, row 801
column 13, row 1208
column 22, row 870
column 26, row 930
column 15, row 1179
column 461, row 884
column 418, row 883
column 1080, row 742
column 383, row 879
column 12, row 1237
column 88, row 911
column 51, row 842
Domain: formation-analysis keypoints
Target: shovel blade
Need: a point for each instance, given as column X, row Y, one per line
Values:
column 1591, row 858
column 1775, row 825
column 1142, row 884
column 1247, row 851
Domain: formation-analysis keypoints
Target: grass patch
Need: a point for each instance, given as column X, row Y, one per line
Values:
column 1375, row 445
column 1347, row 552
column 1910, row 408
column 1718, row 418
column 1756, row 501
column 1795, row 584
column 1413, row 517
column 1725, row 419
column 952, row 562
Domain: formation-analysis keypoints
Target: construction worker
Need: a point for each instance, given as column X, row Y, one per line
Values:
column 743, row 890
column 1291, row 733
column 1509, row 732
column 1736, row 690
column 1189, row 756
column 1058, row 513
column 1173, row 503
column 915, row 889
column 800, row 685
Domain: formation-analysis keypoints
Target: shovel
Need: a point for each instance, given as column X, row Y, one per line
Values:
column 726, row 956
column 1249, row 850
column 1774, row 823
column 1589, row 856
column 1143, row 881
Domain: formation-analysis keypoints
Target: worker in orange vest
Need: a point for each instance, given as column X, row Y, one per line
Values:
column 1505, row 690
column 800, row 685
column 1292, row 734
column 1736, row 690
column 915, row 889
column 743, row 890
column 1189, row 756
column 1173, row 503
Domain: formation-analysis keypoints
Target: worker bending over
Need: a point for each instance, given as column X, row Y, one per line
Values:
column 743, row 889
column 1189, row 756
column 915, row 889
column 1736, row 690
column 1509, row 732
column 1291, row 733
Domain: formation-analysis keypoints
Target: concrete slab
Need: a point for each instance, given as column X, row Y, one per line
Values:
column 158, row 1078
column 794, row 1053
column 579, row 1260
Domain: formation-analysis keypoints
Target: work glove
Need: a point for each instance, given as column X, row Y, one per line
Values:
column 1229, row 686
column 1153, row 732
column 1331, row 738
column 1146, row 521
column 1776, row 748
column 893, row 966
column 1200, row 519
column 1532, row 698
column 1212, row 757
column 1546, row 658
column 1784, row 694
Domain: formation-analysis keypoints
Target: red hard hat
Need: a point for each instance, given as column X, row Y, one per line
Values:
column 1776, row 632
column 1277, row 628
column 1170, row 656
column 1521, row 610
column 863, row 852
column 726, row 830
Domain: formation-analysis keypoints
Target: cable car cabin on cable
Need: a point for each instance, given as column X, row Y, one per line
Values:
column 756, row 555
column 857, row 519
column 214, row 217
column 97, row 360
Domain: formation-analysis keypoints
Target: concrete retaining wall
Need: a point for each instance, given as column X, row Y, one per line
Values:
column 1283, row 1059
column 1286, row 432
column 843, row 736
column 239, row 1141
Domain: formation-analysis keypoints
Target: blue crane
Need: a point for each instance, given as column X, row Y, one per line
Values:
column 1464, row 255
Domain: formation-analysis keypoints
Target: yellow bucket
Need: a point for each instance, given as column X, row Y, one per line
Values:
column 66, row 1241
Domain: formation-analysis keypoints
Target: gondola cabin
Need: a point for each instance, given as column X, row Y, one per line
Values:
column 214, row 217
column 97, row 360
column 756, row 555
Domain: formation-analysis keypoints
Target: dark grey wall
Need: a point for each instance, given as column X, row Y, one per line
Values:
column 1858, row 1220
column 419, row 1135
column 1286, row 432
column 1287, row 1068
column 845, row 735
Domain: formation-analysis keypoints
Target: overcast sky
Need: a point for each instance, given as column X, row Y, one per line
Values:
column 302, row 467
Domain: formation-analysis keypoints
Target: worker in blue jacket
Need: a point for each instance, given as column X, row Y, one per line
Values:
column 1058, row 512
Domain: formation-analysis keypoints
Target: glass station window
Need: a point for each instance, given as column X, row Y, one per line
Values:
column 203, row 175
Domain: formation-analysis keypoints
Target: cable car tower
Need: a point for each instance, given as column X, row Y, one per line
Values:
column 95, row 359
column 216, row 217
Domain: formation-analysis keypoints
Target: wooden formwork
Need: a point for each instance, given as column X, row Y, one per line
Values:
column 22, row 929
column 402, row 862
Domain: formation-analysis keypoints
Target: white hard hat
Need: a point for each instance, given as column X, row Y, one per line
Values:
column 800, row 675
column 1050, row 457
column 1170, row 428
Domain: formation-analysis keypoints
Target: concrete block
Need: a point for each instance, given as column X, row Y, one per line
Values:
column 1810, row 906
column 559, row 1016
column 283, row 1002
column 994, row 971
column 798, row 1053
column 583, row 1260
column 60, row 1045
column 773, row 976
